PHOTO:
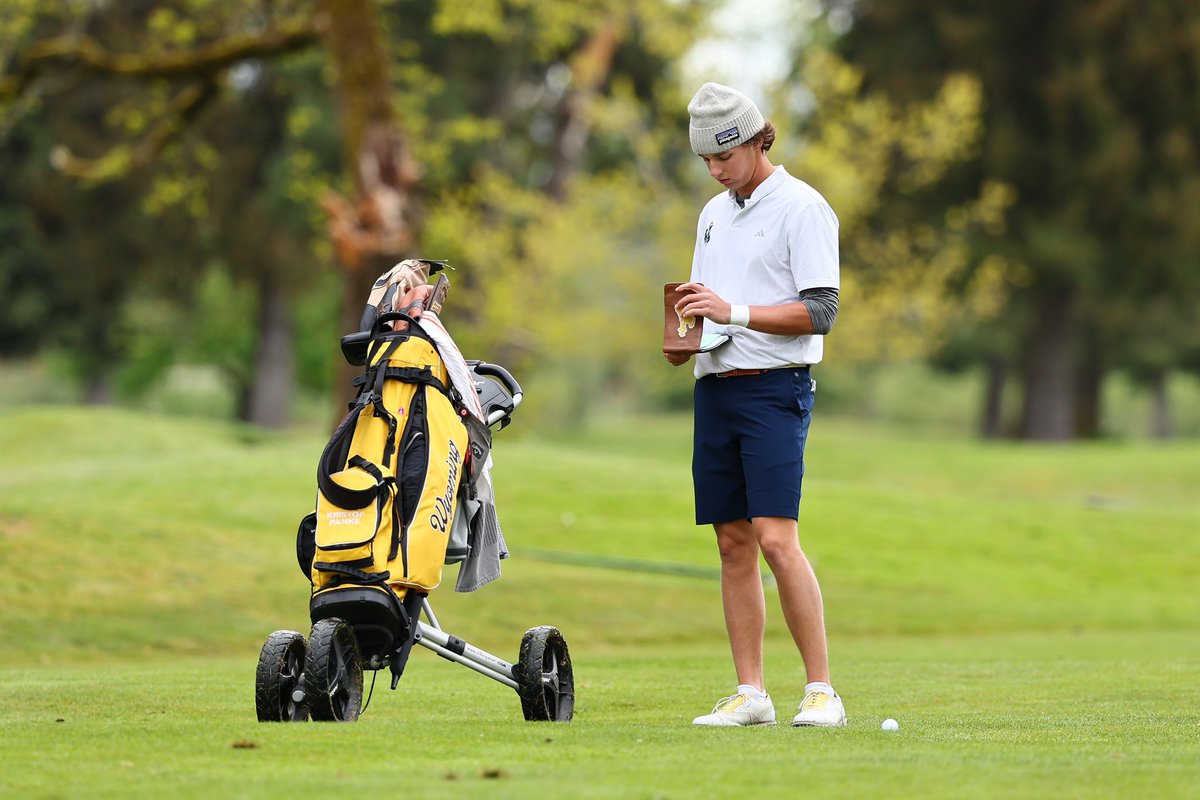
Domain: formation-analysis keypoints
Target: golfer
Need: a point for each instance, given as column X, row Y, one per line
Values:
column 765, row 271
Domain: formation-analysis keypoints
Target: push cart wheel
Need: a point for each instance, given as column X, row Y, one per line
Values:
column 333, row 673
column 280, row 666
column 545, row 680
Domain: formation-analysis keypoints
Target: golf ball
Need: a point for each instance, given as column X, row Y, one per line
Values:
column 890, row 725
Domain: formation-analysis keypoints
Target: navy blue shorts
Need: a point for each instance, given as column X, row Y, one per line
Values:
column 748, row 445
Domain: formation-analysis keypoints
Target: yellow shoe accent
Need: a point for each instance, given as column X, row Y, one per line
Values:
column 821, row 709
column 730, row 704
column 815, row 701
column 738, row 710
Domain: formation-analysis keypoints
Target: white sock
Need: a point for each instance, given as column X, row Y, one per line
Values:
column 820, row 686
column 745, row 688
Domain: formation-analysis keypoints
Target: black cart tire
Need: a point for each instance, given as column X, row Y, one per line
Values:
column 333, row 673
column 280, row 669
column 545, row 680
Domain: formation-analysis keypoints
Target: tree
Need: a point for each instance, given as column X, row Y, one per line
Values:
column 369, row 230
column 551, row 183
column 477, row 85
column 908, row 278
column 1089, row 115
column 151, row 74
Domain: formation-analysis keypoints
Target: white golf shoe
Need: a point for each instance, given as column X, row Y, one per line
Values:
column 739, row 710
column 821, row 708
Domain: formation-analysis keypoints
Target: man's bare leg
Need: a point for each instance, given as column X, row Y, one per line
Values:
column 799, row 592
column 742, row 599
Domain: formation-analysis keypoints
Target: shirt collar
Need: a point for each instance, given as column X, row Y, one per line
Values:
column 770, row 184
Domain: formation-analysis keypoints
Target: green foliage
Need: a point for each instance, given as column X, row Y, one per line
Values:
column 556, row 175
column 909, row 276
column 481, row 90
column 27, row 290
column 17, row 20
column 151, row 345
column 176, row 186
column 548, row 27
column 1092, row 140
column 561, row 288
column 318, row 334
column 222, row 333
column 494, row 85
column 570, row 288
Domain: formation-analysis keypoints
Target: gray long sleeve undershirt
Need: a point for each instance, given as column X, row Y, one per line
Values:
column 822, row 305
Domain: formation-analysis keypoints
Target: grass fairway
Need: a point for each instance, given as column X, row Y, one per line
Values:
column 1028, row 614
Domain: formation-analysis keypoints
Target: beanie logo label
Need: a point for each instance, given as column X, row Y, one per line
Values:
column 729, row 135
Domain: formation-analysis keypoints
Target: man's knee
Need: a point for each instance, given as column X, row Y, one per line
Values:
column 779, row 543
column 737, row 543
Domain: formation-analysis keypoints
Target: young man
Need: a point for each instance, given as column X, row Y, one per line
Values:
column 765, row 270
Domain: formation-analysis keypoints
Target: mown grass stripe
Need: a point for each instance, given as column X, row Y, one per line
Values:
column 591, row 560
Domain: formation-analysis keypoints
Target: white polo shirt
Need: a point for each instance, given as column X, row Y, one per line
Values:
column 784, row 240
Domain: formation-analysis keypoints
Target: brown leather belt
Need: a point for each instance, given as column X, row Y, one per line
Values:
column 737, row 373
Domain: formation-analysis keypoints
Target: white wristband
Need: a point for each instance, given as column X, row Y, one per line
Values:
column 739, row 316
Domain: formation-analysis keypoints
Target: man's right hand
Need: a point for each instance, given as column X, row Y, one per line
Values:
column 677, row 358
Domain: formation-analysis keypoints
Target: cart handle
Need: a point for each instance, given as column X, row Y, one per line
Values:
column 505, row 377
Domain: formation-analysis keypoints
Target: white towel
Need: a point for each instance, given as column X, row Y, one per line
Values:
column 486, row 539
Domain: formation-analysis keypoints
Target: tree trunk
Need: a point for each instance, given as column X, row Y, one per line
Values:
column 1089, row 383
column 378, row 226
column 590, row 68
column 243, row 391
column 97, row 389
column 1161, row 425
column 273, row 382
column 992, row 424
column 1048, row 412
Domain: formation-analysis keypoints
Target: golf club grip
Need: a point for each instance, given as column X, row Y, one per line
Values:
column 368, row 318
column 437, row 296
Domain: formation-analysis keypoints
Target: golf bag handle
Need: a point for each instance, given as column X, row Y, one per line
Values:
column 500, row 411
column 497, row 371
column 390, row 316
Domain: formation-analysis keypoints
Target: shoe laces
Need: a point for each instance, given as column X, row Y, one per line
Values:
column 725, row 703
column 814, row 700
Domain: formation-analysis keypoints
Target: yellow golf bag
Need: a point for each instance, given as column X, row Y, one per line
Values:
column 388, row 482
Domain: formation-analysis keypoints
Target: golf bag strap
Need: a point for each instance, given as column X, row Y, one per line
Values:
column 416, row 375
column 333, row 456
column 375, row 376
column 412, row 375
column 368, row 467
column 331, row 462
column 366, row 579
column 356, row 574
column 381, row 342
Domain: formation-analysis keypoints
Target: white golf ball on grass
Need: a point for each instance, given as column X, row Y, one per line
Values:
column 890, row 724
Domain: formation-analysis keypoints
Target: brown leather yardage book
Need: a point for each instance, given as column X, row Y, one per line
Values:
column 679, row 335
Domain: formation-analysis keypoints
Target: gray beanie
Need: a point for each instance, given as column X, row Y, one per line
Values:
column 722, row 118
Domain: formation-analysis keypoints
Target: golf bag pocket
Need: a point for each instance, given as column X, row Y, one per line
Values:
column 357, row 530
